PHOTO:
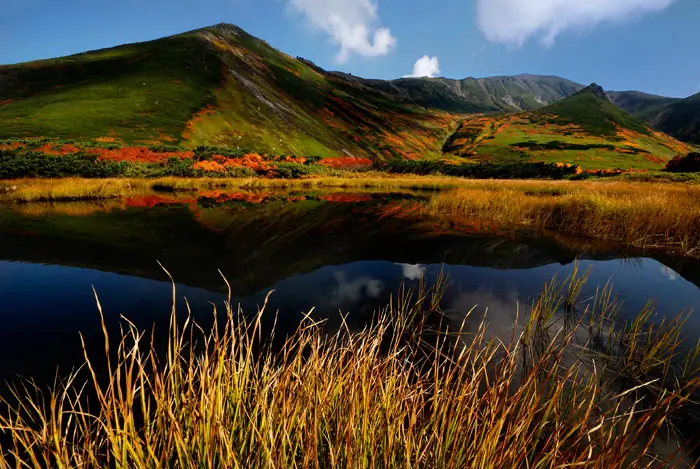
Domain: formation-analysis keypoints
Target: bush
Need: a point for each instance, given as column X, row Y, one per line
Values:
column 481, row 170
column 32, row 164
column 287, row 170
column 684, row 164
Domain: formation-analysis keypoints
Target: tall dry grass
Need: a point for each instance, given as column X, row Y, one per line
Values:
column 406, row 391
column 67, row 189
column 645, row 215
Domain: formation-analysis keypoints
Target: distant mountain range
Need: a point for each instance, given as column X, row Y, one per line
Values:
column 221, row 86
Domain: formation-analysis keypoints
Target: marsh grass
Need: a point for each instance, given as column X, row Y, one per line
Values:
column 642, row 215
column 659, row 215
column 72, row 189
column 405, row 391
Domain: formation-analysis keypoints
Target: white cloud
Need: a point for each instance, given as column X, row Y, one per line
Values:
column 669, row 273
column 426, row 67
column 352, row 24
column 515, row 21
column 356, row 289
column 412, row 272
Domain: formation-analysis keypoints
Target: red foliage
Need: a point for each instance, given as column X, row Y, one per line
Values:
column 347, row 162
column 221, row 197
column 249, row 160
column 12, row 146
column 138, row 154
column 67, row 149
column 209, row 166
column 654, row 159
column 189, row 127
column 350, row 198
column 148, row 201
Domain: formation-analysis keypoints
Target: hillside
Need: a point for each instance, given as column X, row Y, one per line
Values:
column 493, row 94
column 585, row 129
column 221, row 87
column 681, row 119
column 215, row 86
column 643, row 106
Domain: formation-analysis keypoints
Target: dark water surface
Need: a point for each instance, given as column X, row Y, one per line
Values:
column 342, row 253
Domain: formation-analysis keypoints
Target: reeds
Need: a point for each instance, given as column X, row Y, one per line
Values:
column 643, row 215
column 405, row 391
column 72, row 189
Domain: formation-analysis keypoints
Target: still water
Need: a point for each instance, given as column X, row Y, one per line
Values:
column 344, row 253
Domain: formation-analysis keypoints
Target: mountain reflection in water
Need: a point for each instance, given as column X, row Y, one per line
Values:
column 330, row 254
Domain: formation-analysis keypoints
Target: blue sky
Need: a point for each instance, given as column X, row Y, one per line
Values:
column 646, row 45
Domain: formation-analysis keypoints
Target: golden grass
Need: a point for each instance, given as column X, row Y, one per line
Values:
column 406, row 391
column 645, row 215
column 28, row 190
column 31, row 190
column 661, row 215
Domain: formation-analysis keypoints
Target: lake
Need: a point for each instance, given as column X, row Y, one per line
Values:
column 332, row 253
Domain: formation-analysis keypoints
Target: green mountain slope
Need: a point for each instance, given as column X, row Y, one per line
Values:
column 137, row 91
column 585, row 129
column 220, row 86
column 681, row 119
column 215, row 86
column 591, row 109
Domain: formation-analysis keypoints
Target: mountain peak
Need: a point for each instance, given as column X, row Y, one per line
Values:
column 595, row 89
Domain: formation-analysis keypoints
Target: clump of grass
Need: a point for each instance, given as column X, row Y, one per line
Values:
column 644, row 215
column 402, row 392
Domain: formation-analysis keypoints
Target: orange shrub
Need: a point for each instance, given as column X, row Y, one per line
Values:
column 347, row 162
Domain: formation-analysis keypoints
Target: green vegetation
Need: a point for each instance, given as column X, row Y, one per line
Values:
column 591, row 110
column 39, row 159
column 224, row 89
column 134, row 92
column 585, row 130
column 217, row 86
column 643, row 106
column 517, row 170
column 681, row 119
column 414, row 388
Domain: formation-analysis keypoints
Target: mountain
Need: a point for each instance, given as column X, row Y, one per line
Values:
column 214, row 86
column 681, row 119
column 585, row 129
column 643, row 106
column 494, row 94
column 221, row 86
column 677, row 117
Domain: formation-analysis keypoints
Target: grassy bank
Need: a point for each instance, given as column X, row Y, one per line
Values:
column 29, row 190
column 643, row 215
column 417, row 388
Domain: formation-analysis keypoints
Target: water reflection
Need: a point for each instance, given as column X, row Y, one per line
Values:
column 330, row 254
column 44, row 306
